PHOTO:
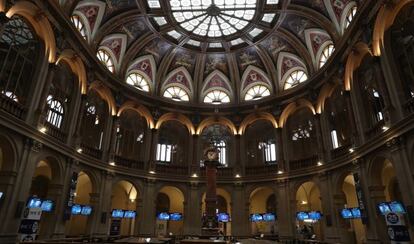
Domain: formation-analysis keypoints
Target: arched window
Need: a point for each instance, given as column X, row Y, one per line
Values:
column 257, row 92
column 269, row 151
column 334, row 138
column 138, row 81
column 176, row 93
column 106, row 59
column 216, row 97
column 326, row 53
column 164, row 153
column 302, row 131
column 77, row 21
column 18, row 58
column 55, row 112
column 349, row 17
column 377, row 104
column 295, row 78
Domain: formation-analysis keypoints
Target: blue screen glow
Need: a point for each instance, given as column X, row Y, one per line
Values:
column 256, row 217
column 356, row 213
column 76, row 209
column 302, row 215
column 397, row 207
column 223, row 217
column 130, row 214
column 34, row 203
column 163, row 216
column 315, row 215
column 269, row 217
column 117, row 213
column 346, row 213
column 47, row 206
column 384, row 208
column 86, row 210
column 176, row 217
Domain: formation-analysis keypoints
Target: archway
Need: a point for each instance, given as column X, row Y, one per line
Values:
column 308, row 199
column 124, row 196
column 223, row 206
column 170, row 200
column 79, row 224
column 263, row 201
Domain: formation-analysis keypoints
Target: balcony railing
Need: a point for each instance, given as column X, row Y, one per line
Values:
column 262, row 170
column 171, row 169
column 11, row 106
column 55, row 132
column 93, row 152
column 303, row 163
column 375, row 130
column 340, row 151
column 129, row 163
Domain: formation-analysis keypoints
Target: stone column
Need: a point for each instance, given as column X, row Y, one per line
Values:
column 40, row 112
column 108, row 135
column 50, row 221
column 239, row 164
column 147, row 227
column 319, row 138
column 240, row 211
column 94, row 218
column 286, row 208
column 103, row 208
column 376, row 227
column 77, row 140
column 18, row 199
column 342, row 226
column 195, row 161
column 138, row 220
column 192, row 212
column 114, row 139
column 280, row 157
column 351, row 116
column 153, row 149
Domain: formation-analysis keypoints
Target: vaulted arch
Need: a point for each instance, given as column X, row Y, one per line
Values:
column 253, row 117
column 354, row 61
column 292, row 108
column 77, row 67
column 177, row 117
column 105, row 94
column 140, row 109
column 216, row 120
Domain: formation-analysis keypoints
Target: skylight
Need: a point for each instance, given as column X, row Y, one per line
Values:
column 213, row 18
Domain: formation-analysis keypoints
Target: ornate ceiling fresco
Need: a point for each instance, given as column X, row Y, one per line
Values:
column 213, row 51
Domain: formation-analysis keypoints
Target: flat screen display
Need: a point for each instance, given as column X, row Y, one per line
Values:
column 163, row 216
column 86, row 210
column 1, row 195
column 76, row 209
column 315, row 215
column 34, row 203
column 130, row 214
column 384, row 208
column 256, row 217
column 356, row 213
column 223, row 217
column 346, row 213
column 397, row 207
column 117, row 213
column 302, row 216
column 176, row 217
column 47, row 206
column 269, row 217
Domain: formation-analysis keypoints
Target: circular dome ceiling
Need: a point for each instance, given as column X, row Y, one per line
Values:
column 213, row 18
column 213, row 51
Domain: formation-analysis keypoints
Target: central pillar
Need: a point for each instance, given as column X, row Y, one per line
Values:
column 210, row 222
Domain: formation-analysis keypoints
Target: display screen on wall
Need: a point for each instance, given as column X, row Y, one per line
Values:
column 256, row 217
column 346, row 213
column 76, row 209
column 163, row 216
column 1, row 195
column 315, row 215
column 47, row 206
column 117, row 213
column 223, row 217
column 86, row 210
column 176, row 217
column 391, row 207
column 269, row 217
column 128, row 214
column 356, row 212
column 34, row 202
column 302, row 216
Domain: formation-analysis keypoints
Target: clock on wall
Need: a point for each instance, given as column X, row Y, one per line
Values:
column 211, row 154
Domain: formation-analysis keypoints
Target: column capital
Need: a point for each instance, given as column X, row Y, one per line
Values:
column 396, row 143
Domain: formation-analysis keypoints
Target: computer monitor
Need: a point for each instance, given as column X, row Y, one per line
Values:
column 223, row 217
column 302, row 216
column 315, row 215
column 34, row 202
column 384, row 208
column 163, row 216
column 397, row 207
column 47, row 206
column 256, row 217
column 356, row 213
column 176, row 217
column 117, row 213
column 346, row 213
column 76, row 209
column 269, row 217
column 86, row 210
column 129, row 214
